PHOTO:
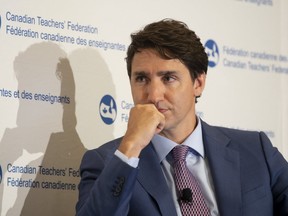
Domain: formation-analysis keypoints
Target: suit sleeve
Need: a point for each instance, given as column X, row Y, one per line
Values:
column 278, row 168
column 106, row 185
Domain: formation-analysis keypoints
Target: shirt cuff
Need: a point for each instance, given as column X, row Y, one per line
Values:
column 133, row 161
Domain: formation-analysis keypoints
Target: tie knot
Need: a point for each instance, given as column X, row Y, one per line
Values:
column 179, row 152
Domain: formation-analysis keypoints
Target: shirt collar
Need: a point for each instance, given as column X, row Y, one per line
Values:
column 163, row 145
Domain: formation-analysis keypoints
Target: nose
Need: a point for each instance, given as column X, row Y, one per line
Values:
column 155, row 92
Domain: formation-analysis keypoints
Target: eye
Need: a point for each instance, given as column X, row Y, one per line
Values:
column 168, row 78
column 141, row 79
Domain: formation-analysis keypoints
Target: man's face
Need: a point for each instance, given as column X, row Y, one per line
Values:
column 168, row 85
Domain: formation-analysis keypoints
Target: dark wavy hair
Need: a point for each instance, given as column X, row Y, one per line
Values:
column 172, row 39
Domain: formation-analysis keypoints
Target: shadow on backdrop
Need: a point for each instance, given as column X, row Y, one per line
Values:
column 36, row 120
column 62, row 158
column 49, row 135
column 93, row 81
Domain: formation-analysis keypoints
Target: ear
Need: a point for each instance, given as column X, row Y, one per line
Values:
column 199, row 84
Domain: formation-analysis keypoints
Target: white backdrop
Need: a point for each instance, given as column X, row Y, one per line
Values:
column 62, row 66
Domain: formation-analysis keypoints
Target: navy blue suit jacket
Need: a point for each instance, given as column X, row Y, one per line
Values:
column 250, row 178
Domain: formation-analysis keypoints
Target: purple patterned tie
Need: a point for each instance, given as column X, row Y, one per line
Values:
column 191, row 199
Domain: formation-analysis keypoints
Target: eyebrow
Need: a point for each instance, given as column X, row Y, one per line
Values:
column 159, row 73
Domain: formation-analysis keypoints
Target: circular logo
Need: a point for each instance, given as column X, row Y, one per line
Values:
column 212, row 51
column 108, row 109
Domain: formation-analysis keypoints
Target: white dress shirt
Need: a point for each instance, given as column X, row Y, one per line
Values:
column 196, row 162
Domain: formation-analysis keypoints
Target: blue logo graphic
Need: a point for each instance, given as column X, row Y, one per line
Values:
column 212, row 51
column 0, row 22
column 108, row 109
column 0, row 174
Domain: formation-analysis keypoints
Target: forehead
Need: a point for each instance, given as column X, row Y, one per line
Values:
column 149, row 60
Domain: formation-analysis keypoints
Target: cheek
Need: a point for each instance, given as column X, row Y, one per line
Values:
column 136, row 95
column 183, row 100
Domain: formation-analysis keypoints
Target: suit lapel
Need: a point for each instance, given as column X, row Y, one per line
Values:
column 224, row 163
column 152, row 179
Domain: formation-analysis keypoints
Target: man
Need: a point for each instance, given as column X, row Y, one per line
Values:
column 238, row 172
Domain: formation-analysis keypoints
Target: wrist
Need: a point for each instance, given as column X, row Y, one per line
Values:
column 130, row 149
